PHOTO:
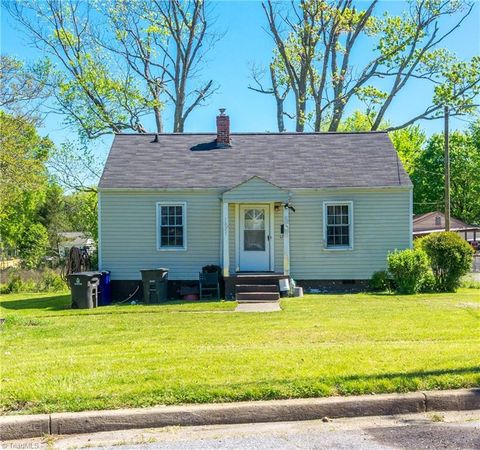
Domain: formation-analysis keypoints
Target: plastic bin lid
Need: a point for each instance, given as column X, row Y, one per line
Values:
column 85, row 274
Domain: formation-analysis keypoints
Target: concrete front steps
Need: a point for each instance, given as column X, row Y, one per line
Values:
column 257, row 293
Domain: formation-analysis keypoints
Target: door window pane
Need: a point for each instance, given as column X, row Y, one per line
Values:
column 254, row 230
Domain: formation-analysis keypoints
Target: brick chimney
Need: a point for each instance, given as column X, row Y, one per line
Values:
column 223, row 129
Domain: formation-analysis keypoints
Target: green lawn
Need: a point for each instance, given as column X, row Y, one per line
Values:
column 56, row 359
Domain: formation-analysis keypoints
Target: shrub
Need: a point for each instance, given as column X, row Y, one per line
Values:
column 14, row 285
column 51, row 282
column 408, row 268
column 450, row 258
column 428, row 283
column 380, row 281
column 33, row 281
column 470, row 284
column 33, row 245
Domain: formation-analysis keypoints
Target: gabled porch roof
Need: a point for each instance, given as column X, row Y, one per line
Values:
column 255, row 189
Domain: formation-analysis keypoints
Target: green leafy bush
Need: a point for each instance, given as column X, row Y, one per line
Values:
column 450, row 257
column 408, row 268
column 14, row 285
column 380, row 282
column 428, row 283
column 33, row 245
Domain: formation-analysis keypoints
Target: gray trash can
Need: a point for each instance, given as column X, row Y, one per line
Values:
column 155, row 285
column 84, row 289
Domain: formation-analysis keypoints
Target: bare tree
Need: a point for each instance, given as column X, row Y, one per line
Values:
column 21, row 92
column 96, row 95
column 297, row 50
column 188, row 27
column 113, row 62
column 279, row 89
column 326, row 34
column 165, row 44
column 75, row 166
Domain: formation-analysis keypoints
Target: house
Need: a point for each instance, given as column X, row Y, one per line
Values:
column 69, row 239
column 434, row 221
column 323, row 208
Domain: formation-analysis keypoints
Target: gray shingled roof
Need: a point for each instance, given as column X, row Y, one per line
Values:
column 288, row 160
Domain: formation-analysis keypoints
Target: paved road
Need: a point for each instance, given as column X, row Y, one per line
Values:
column 439, row 431
column 475, row 276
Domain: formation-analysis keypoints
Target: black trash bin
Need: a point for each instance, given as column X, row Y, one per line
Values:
column 155, row 285
column 84, row 289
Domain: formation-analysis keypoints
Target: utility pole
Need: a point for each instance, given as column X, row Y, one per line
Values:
column 447, row 174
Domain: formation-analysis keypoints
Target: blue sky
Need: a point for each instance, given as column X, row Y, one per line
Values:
column 246, row 42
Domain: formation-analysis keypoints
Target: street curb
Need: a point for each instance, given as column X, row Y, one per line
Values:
column 455, row 400
column 20, row 427
column 17, row 427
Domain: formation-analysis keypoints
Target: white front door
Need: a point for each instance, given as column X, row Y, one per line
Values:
column 254, row 252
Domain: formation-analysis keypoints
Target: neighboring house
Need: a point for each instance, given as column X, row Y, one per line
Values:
column 319, row 207
column 70, row 239
column 434, row 222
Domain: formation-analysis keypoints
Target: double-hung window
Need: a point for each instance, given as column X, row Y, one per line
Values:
column 172, row 226
column 338, row 225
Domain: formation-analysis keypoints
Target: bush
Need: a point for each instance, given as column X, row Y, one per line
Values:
column 408, row 268
column 14, row 285
column 450, row 257
column 428, row 283
column 33, row 245
column 380, row 281
column 51, row 282
column 33, row 281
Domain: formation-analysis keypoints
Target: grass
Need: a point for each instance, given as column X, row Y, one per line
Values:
column 57, row 359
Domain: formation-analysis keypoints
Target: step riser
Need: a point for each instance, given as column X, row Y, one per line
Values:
column 258, row 296
column 256, row 288
column 259, row 281
column 257, row 301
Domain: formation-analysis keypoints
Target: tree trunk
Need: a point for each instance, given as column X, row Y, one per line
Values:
column 301, row 105
column 178, row 114
column 280, row 120
column 158, row 119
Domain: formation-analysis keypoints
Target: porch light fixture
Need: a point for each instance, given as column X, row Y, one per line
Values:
column 289, row 206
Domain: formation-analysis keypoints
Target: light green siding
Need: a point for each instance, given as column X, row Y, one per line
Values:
column 127, row 228
column 381, row 221
column 256, row 190
column 128, row 233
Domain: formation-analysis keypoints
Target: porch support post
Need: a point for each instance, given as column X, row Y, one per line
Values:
column 225, row 240
column 286, row 241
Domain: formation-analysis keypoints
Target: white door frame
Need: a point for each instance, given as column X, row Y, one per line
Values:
column 271, row 231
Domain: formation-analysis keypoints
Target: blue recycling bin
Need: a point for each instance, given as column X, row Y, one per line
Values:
column 105, row 294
